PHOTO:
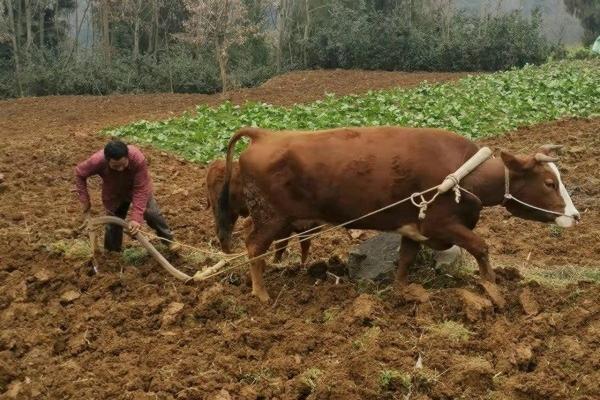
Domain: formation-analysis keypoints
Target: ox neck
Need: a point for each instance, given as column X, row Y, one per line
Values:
column 487, row 182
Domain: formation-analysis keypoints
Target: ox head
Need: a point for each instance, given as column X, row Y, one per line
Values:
column 535, row 180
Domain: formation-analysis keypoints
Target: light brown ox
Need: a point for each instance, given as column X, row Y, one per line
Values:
column 215, row 176
column 341, row 174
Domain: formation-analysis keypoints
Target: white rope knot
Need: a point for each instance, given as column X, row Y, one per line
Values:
column 457, row 194
column 422, row 210
column 454, row 179
column 423, row 204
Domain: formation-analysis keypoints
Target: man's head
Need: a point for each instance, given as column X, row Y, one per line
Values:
column 115, row 152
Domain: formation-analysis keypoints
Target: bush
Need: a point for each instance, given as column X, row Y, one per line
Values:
column 181, row 69
column 361, row 37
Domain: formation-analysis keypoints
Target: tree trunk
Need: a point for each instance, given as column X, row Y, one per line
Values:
column 222, row 59
column 281, row 31
column 75, row 45
column 28, row 24
column 105, row 32
column 153, row 37
column 15, row 46
column 136, row 38
column 42, row 21
column 306, row 30
column 77, row 25
column 19, row 22
column 56, row 24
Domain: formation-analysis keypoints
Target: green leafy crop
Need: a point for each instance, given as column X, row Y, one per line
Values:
column 476, row 106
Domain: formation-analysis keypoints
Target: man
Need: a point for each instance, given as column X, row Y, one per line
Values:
column 125, row 181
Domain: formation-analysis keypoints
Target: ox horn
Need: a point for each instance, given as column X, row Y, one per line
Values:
column 549, row 148
column 544, row 158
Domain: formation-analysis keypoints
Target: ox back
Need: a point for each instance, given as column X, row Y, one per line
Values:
column 341, row 174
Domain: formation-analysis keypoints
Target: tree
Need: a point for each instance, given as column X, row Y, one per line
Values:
column 4, row 29
column 588, row 12
column 220, row 24
column 131, row 13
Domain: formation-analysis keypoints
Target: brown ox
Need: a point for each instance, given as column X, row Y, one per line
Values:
column 341, row 174
column 215, row 176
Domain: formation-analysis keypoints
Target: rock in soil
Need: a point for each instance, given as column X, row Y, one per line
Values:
column 375, row 258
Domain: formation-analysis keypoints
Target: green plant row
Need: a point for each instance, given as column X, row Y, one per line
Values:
column 476, row 106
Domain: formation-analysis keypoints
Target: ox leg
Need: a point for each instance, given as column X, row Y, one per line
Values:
column 408, row 252
column 281, row 246
column 304, row 248
column 476, row 246
column 257, row 243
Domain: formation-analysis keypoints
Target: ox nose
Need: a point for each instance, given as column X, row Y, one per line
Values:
column 577, row 217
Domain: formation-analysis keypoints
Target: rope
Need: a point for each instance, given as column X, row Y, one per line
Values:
column 508, row 196
column 450, row 182
column 424, row 204
column 301, row 233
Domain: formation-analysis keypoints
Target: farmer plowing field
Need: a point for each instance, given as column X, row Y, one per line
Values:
column 125, row 182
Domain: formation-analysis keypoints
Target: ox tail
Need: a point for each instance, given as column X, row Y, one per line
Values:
column 223, row 209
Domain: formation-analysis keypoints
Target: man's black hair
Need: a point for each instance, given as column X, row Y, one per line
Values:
column 115, row 150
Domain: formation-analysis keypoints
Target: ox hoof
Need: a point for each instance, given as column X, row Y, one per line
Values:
column 490, row 276
column 262, row 295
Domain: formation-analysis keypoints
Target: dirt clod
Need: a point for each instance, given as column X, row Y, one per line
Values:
column 69, row 297
column 415, row 293
column 493, row 291
column 172, row 314
column 43, row 275
column 221, row 395
column 530, row 306
column 475, row 306
column 364, row 308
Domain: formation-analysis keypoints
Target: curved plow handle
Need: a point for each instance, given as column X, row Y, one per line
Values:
column 145, row 243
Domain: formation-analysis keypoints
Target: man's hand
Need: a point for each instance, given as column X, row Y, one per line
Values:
column 86, row 216
column 134, row 228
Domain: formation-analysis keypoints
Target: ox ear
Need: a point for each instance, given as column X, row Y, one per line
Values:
column 551, row 150
column 517, row 163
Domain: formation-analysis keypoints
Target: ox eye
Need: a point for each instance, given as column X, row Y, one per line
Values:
column 550, row 184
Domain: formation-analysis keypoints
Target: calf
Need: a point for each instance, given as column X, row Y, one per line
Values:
column 341, row 174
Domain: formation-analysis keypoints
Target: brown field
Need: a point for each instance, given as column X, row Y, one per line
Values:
column 134, row 332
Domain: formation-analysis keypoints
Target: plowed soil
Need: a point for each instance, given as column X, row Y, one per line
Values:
column 134, row 332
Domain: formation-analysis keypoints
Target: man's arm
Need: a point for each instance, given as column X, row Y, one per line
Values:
column 84, row 170
column 142, row 190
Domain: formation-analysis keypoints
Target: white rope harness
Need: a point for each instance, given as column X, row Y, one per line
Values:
column 508, row 196
column 450, row 182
